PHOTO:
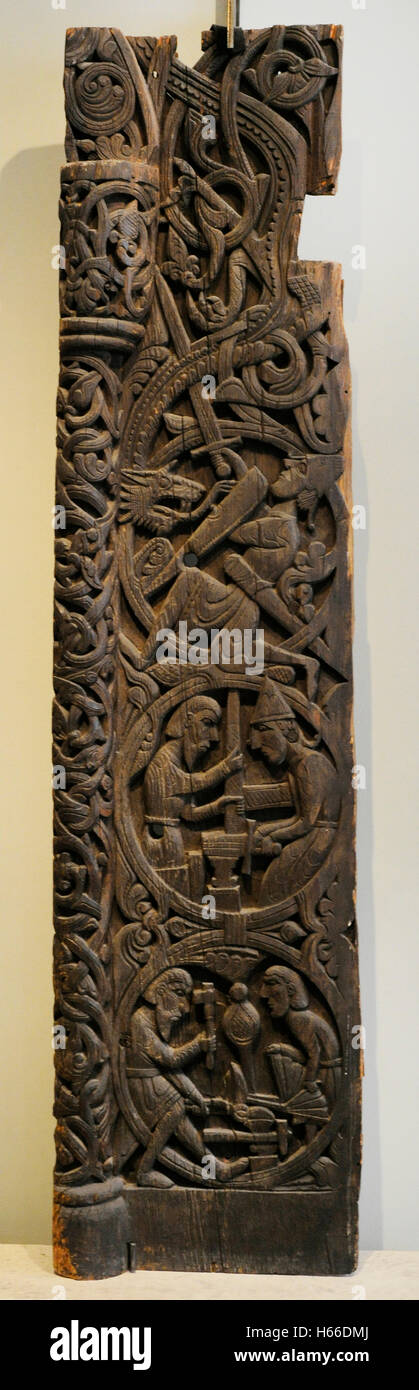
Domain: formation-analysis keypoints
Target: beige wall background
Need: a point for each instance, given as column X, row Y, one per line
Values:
column 376, row 207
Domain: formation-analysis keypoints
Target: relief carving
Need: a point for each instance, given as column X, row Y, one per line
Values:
column 205, row 871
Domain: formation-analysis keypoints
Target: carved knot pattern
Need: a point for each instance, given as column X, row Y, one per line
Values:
column 85, row 616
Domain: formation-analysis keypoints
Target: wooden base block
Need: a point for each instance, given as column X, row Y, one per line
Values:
column 238, row 1233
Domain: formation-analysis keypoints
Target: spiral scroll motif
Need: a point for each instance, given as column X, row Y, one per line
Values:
column 101, row 99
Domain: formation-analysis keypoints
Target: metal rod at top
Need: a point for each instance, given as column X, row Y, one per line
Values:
column 231, row 20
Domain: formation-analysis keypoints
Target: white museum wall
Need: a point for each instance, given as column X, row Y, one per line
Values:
column 376, row 207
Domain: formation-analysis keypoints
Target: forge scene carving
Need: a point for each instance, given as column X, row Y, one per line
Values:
column 205, row 946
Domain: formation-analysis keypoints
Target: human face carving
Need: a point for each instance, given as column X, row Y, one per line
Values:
column 201, row 733
column 266, row 737
column 277, row 1000
column 172, row 1006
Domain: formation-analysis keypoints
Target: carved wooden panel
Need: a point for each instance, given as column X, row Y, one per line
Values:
column 207, row 1094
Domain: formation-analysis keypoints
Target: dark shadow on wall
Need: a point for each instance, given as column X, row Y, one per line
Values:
column 330, row 228
column 220, row 13
column 371, row 1220
column 29, row 228
column 29, row 192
